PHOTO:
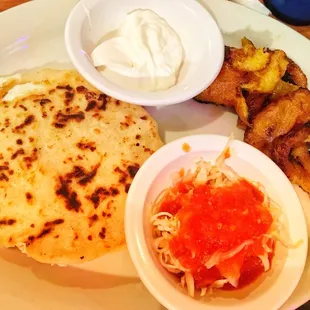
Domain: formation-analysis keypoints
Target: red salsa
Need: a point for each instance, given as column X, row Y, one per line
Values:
column 219, row 219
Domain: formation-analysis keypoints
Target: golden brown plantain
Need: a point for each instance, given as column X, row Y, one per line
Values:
column 278, row 118
column 248, row 77
column 291, row 154
column 248, row 58
column 294, row 75
column 283, row 88
column 268, row 92
column 255, row 103
column 225, row 90
column 266, row 80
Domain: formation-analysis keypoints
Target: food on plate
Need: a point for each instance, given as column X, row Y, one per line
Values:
column 249, row 76
column 225, row 90
column 145, row 53
column 265, row 81
column 248, row 58
column 282, row 88
column 254, row 102
column 268, row 92
column 68, row 154
column 291, row 153
column 263, row 68
column 281, row 131
column 294, row 75
column 214, row 229
column 278, row 118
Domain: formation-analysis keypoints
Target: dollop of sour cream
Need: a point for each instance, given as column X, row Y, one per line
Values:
column 145, row 53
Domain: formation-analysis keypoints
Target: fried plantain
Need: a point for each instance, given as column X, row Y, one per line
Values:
column 291, row 153
column 300, row 153
column 278, row 118
column 248, row 58
column 266, row 80
column 255, row 103
column 283, row 88
column 247, row 78
column 268, row 92
column 226, row 91
column 294, row 75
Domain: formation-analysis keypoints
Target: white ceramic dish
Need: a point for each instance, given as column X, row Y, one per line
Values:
column 156, row 175
column 202, row 42
column 34, row 38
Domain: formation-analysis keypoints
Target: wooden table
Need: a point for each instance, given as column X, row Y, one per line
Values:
column 304, row 30
column 6, row 4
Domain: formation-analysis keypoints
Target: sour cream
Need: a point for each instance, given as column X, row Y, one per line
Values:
column 145, row 53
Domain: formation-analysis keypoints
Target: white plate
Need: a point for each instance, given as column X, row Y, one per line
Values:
column 32, row 37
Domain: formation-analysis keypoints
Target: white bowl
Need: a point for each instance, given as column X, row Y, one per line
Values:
column 274, row 288
column 202, row 41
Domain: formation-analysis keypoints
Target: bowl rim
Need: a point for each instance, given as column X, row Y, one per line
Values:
column 74, row 24
column 136, row 240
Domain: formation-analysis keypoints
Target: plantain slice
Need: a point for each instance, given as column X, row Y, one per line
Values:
column 283, row 88
column 278, row 118
column 290, row 152
column 294, row 75
column 266, row 80
column 248, row 58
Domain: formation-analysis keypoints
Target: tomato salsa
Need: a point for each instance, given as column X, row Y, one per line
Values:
column 218, row 220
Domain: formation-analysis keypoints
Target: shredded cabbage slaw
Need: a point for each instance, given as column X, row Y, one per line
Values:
column 166, row 226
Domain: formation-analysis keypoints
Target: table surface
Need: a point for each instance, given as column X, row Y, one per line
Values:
column 6, row 4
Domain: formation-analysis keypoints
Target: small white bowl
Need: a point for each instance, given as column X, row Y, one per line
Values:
column 202, row 41
column 272, row 289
